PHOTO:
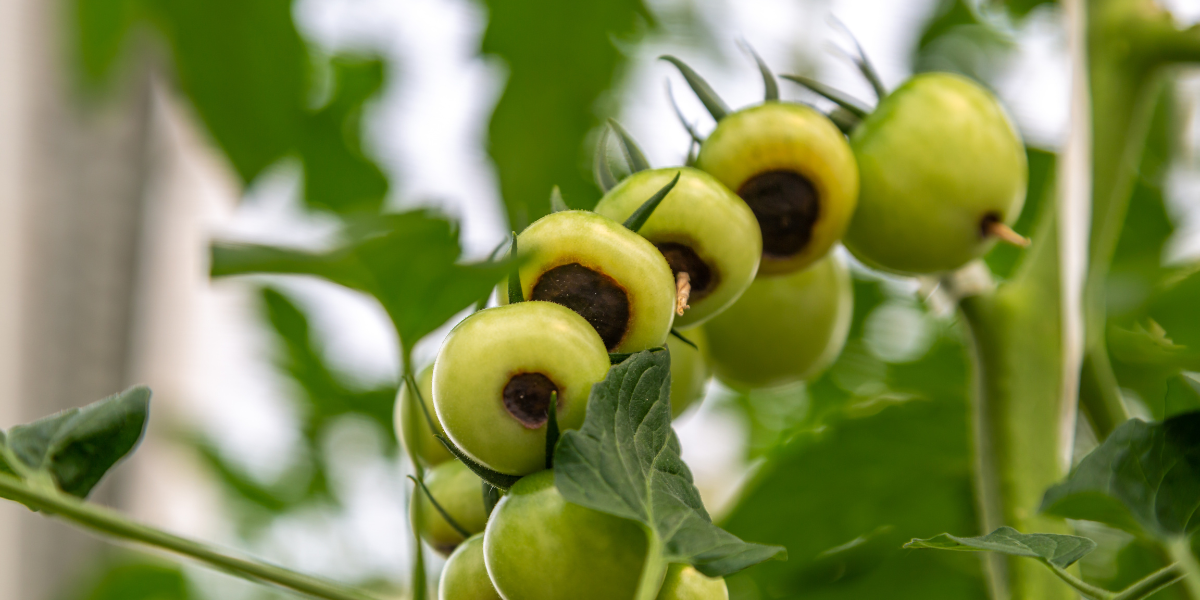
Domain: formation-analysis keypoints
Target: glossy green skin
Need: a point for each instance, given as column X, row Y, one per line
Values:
column 935, row 157
column 540, row 547
column 465, row 576
column 689, row 371
column 703, row 214
column 429, row 450
column 784, row 329
column 781, row 136
column 485, row 350
column 684, row 582
column 460, row 493
column 605, row 246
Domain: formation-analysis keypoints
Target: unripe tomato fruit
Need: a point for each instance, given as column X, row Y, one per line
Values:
column 701, row 228
column 465, row 577
column 784, row 329
column 428, row 449
column 460, row 493
column 795, row 170
column 684, row 582
column 689, row 371
column 495, row 374
column 617, row 280
column 538, row 546
column 938, row 161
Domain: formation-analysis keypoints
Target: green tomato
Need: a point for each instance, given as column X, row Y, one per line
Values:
column 613, row 277
column 684, row 582
column 460, row 493
column 465, row 576
column 538, row 546
column 784, row 329
column 940, row 165
column 701, row 228
column 496, row 372
column 409, row 417
column 689, row 371
column 795, row 170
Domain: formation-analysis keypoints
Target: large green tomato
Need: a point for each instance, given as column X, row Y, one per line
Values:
column 689, row 370
column 702, row 229
column 497, row 371
column 684, row 582
column 616, row 279
column 429, row 450
column 784, row 329
column 538, row 546
column 795, row 170
column 460, row 493
column 465, row 576
column 940, row 164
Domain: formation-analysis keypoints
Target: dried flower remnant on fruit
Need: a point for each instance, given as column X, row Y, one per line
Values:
column 684, row 260
column 527, row 398
column 683, row 290
column 786, row 206
column 599, row 299
column 992, row 226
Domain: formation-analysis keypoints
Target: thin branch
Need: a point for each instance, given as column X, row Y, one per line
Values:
column 1152, row 583
column 1081, row 586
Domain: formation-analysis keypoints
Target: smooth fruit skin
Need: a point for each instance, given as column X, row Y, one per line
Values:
column 428, row 449
column 784, row 329
column 703, row 214
column 605, row 246
column 780, row 136
column 465, row 576
column 937, row 156
column 485, row 350
column 538, row 546
column 460, row 493
column 689, row 371
column 684, row 582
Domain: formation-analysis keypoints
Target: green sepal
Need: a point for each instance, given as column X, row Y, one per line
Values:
column 643, row 212
column 491, row 497
column 770, row 85
column 552, row 432
column 557, row 204
column 515, row 292
column 842, row 99
column 679, row 336
column 633, row 153
column 601, row 170
column 862, row 62
column 715, row 105
column 691, row 130
column 845, row 120
column 436, row 505
column 497, row 479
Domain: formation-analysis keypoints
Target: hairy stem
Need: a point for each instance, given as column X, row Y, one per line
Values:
column 111, row 523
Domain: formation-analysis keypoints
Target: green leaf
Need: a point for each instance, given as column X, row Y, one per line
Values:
column 78, row 446
column 709, row 98
column 1059, row 550
column 141, row 580
column 408, row 261
column 646, row 210
column 625, row 461
column 1145, row 478
column 100, row 29
column 1183, row 395
column 555, row 81
column 856, row 107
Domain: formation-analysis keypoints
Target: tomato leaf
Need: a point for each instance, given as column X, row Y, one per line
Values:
column 1145, row 478
column 78, row 446
column 1059, row 550
column 408, row 261
column 625, row 461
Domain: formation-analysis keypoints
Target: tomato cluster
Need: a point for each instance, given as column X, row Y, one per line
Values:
column 728, row 263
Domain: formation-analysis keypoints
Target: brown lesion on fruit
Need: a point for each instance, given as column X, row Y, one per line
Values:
column 702, row 278
column 598, row 298
column 527, row 398
column 992, row 226
column 787, row 207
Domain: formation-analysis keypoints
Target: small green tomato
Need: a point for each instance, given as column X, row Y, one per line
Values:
column 496, row 372
column 684, row 582
column 784, row 329
column 429, row 450
column 538, row 546
column 465, row 576
column 942, row 172
column 701, row 228
column 795, row 170
column 613, row 277
column 689, row 371
column 460, row 493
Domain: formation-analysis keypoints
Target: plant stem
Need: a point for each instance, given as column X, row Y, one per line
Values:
column 1081, row 586
column 109, row 522
column 1181, row 551
column 1152, row 583
column 417, row 576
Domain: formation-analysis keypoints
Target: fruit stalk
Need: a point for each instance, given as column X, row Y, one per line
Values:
column 417, row 577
